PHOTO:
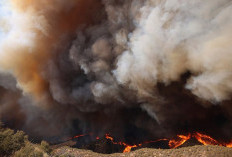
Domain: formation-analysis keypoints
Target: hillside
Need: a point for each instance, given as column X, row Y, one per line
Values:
column 193, row 151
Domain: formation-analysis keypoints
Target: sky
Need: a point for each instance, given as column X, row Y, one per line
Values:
column 4, row 14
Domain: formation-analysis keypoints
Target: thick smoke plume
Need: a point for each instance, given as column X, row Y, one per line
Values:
column 111, row 65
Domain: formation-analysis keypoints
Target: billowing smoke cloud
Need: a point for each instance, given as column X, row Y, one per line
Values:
column 88, row 65
column 171, row 39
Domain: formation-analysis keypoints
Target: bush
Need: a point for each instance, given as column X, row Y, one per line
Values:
column 45, row 147
column 17, row 144
column 28, row 151
column 10, row 141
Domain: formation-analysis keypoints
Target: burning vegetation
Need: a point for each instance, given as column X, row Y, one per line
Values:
column 172, row 143
column 139, row 69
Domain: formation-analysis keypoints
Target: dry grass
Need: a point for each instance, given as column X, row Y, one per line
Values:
column 194, row 151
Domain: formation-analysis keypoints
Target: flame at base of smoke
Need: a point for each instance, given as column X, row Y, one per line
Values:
column 173, row 143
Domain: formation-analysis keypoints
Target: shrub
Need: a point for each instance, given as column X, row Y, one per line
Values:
column 17, row 144
column 10, row 141
column 45, row 147
column 28, row 151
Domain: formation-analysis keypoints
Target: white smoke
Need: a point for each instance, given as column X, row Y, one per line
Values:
column 78, row 60
column 175, row 36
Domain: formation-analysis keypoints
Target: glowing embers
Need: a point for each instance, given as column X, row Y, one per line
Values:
column 77, row 136
column 173, row 143
column 127, row 147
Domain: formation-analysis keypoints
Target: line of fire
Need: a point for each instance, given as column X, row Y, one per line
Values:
column 173, row 143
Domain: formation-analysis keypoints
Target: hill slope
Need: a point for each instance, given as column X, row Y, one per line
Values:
column 194, row 151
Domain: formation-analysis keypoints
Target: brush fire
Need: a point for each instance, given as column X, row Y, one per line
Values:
column 172, row 143
column 137, row 69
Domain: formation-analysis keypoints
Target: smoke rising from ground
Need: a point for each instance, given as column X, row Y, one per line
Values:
column 77, row 65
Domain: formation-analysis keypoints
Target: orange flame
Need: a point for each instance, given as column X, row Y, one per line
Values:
column 107, row 136
column 202, row 138
column 127, row 146
column 229, row 145
column 77, row 136
column 173, row 143
column 206, row 140
column 181, row 140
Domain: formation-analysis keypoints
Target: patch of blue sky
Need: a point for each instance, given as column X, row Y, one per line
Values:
column 5, row 14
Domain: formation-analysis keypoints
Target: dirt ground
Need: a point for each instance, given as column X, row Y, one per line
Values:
column 193, row 151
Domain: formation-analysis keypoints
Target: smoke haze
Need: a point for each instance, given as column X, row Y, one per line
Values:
column 98, row 66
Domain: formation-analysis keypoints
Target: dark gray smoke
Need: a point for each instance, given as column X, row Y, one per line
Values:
column 147, row 67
